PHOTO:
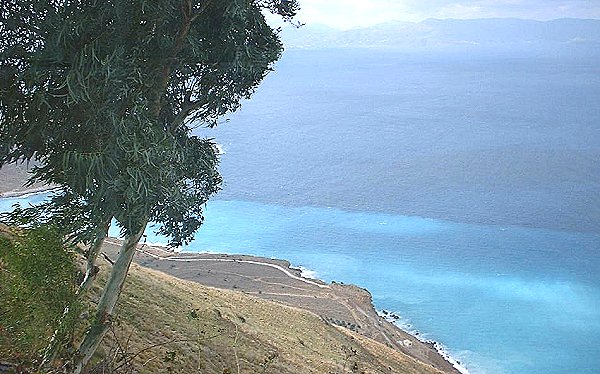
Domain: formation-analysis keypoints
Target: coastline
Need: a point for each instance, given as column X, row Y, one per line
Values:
column 394, row 318
column 343, row 305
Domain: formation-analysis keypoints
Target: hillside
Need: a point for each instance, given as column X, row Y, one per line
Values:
column 171, row 325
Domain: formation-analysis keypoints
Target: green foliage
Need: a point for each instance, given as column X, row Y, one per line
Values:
column 37, row 281
column 104, row 96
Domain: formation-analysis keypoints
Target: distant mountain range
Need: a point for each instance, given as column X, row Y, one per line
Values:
column 436, row 33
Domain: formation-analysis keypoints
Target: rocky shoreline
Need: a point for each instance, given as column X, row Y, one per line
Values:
column 394, row 318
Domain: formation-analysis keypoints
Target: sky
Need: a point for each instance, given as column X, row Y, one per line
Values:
column 346, row 14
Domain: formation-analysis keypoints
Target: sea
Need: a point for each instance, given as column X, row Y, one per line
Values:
column 461, row 188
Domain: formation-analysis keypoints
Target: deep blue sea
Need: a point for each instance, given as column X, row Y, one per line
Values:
column 462, row 190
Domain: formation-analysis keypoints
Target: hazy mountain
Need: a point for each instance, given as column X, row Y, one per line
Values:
column 436, row 33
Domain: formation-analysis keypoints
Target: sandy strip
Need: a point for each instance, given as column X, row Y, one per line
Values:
column 193, row 259
column 184, row 259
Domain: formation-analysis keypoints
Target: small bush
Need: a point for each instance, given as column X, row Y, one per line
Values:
column 38, row 279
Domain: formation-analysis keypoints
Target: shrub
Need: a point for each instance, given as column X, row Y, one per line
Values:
column 38, row 280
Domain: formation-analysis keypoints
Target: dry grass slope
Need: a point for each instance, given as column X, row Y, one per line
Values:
column 170, row 325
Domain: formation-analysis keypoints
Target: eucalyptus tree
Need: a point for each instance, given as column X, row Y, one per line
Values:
column 104, row 95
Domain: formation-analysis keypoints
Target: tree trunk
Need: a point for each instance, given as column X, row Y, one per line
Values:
column 90, row 269
column 110, row 295
column 90, row 274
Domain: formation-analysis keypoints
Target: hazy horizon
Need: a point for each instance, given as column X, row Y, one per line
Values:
column 399, row 21
column 349, row 14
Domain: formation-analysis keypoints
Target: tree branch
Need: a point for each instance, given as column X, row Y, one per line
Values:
column 188, row 18
column 187, row 108
column 108, row 259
